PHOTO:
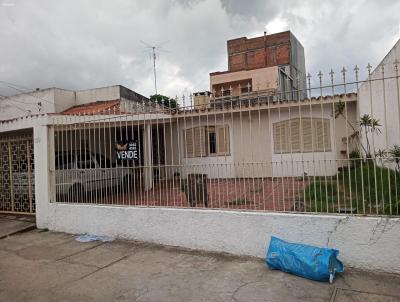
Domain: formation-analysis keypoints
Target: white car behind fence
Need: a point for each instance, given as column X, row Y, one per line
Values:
column 81, row 175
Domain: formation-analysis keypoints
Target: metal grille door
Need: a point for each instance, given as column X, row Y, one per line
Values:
column 17, row 192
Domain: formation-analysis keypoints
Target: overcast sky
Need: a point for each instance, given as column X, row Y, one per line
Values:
column 87, row 44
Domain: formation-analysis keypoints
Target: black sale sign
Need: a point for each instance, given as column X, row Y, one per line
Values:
column 127, row 150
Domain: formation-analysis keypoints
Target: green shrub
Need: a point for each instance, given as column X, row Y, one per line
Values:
column 320, row 196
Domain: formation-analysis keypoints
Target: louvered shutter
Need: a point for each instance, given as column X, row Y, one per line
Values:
column 295, row 144
column 223, row 140
column 322, row 136
column 307, row 135
column 327, row 136
column 318, row 135
column 281, row 132
column 277, row 137
column 200, row 142
column 188, row 143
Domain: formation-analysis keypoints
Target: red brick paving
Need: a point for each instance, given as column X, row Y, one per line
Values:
column 249, row 194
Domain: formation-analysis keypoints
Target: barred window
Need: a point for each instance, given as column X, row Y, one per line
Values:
column 206, row 141
column 302, row 135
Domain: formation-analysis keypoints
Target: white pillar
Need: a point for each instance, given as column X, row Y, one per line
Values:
column 148, row 158
column 43, row 139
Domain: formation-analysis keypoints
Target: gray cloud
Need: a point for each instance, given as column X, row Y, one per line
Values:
column 78, row 45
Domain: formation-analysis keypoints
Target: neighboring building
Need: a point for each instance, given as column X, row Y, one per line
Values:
column 56, row 100
column 379, row 97
column 270, row 64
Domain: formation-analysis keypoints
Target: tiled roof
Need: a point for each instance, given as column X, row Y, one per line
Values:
column 104, row 107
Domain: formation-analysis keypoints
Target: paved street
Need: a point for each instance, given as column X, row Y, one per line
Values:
column 46, row 266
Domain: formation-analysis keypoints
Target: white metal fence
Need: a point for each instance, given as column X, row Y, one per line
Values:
column 336, row 151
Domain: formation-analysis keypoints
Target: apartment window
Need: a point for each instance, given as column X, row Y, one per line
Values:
column 206, row 141
column 226, row 92
column 302, row 135
column 245, row 89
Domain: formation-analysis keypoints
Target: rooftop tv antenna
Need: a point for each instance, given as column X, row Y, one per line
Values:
column 154, row 55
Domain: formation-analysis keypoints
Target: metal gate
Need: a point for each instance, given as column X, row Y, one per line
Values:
column 17, row 184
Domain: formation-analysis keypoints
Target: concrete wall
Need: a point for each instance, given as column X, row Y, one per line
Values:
column 98, row 94
column 364, row 242
column 27, row 103
column 381, row 100
column 64, row 99
column 53, row 100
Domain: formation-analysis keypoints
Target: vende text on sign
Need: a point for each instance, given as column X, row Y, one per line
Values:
column 127, row 150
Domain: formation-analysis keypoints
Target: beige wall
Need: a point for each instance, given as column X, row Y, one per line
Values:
column 262, row 79
column 251, row 144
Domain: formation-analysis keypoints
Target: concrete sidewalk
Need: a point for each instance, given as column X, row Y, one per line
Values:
column 46, row 266
column 12, row 224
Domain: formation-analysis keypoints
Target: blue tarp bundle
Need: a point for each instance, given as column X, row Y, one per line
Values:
column 306, row 261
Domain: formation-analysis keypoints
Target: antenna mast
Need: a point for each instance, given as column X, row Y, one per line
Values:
column 154, row 67
column 154, row 49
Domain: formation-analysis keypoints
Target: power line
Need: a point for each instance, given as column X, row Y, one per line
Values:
column 22, row 109
column 14, row 86
column 30, row 92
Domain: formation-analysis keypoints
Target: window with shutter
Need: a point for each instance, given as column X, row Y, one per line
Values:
column 205, row 141
column 305, row 135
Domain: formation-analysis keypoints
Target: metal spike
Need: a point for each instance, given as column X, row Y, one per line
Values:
column 369, row 67
column 320, row 74
column 343, row 71
column 356, row 69
column 331, row 74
